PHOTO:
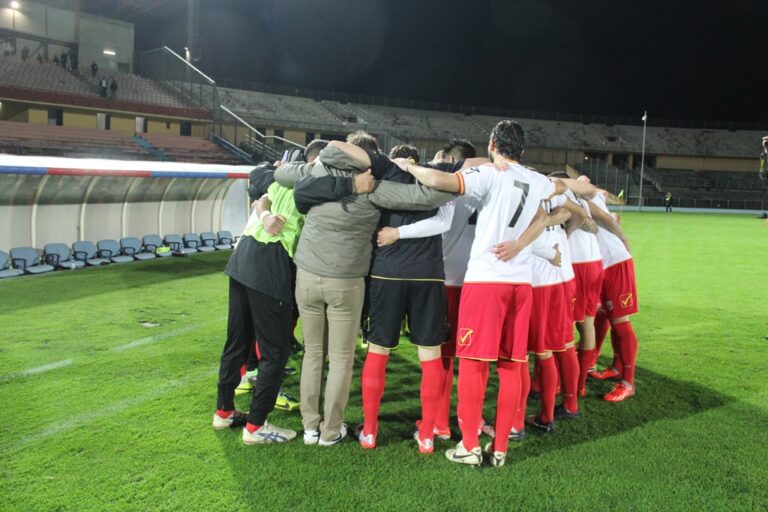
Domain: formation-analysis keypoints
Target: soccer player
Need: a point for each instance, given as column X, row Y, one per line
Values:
column 261, row 306
column 619, row 300
column 495, row 304
column 407, row 277
column 588, row 269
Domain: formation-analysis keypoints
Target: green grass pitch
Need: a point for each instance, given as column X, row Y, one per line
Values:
column 100, row 412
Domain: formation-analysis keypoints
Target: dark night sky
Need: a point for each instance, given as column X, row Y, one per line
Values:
column 678, row 59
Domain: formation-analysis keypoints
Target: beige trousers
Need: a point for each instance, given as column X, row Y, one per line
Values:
column 330, row 319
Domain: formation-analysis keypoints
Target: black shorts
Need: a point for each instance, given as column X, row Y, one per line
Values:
column 424, row 303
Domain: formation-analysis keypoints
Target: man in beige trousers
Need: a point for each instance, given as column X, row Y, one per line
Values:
column 332, row 258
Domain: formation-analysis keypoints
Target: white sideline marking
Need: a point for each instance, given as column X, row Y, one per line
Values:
column 157, row 337
column 127, row 346
column 81, row 419
column 36, row 370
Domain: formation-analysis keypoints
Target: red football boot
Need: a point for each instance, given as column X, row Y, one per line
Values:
column 608, row 373
column 619, row 393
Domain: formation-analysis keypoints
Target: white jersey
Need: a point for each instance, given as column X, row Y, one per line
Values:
column 508, row 201
column 457, row 241
column 612, row 248
column 544, row 272
column 583, row 245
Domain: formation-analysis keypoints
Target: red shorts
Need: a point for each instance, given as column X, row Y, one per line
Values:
column 546, row 331
column 589, row 281
column 569, row 303
column 619, row 295
column 452, row 296
column 493, row 321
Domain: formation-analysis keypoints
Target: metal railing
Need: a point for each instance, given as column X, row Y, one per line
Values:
column 180, row 77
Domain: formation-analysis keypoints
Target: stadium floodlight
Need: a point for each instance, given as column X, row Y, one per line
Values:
column 15, row 5
column 111, row 53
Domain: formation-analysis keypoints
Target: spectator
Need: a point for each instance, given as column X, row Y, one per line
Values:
column 24, row 53
column 40, row 58
column 64, row 57
column 668, row 202
column 56, row 60
column 94, row 69
column 764, row 164
column 103, row 87
column 73, row 61
column 113, row 88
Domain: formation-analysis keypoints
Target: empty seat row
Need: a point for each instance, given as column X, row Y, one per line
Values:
column 27, row 260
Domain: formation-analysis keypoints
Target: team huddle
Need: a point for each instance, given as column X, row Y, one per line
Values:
column 488, row 260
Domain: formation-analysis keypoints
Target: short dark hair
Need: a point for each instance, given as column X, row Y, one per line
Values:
column 314, row 148
column 460, row 149
column 509, row 139
column 364, row 140
column 405, row 151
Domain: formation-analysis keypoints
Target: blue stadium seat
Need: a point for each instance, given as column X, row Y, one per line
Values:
column 5, row 271
column 207, row 242
column 59, row 256
column 177, row 245
column 27, row 260
column 131, row 246
column 225, row 241
column 85, row 251
column 152, row 243
column 110, row 249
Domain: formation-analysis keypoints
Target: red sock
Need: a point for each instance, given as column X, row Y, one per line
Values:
column 616, row 364
column 601, row 329
column 431, row 388
column 444, row 404
column 569, row 376
column 242, row 371
column 525, row 382
column 374, row 379
column 548, row 376
column 223, row 413
column 486, row 373
column 535, row 382
column 252, row 428
column 628, row 344
column 587, row 360
column 470, row 404
column 508, row 400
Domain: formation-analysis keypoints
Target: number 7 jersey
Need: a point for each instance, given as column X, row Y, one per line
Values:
column 509, row 199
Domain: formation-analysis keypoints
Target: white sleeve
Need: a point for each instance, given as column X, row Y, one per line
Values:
column 475, row 181
column 435, row 225
column 543, row 250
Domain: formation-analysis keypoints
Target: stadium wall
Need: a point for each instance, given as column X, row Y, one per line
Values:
column 706, row 163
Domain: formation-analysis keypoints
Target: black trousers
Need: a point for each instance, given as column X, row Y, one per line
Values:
column 255, row 316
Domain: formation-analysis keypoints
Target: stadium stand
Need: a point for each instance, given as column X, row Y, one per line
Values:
column 131, row 246
column 85, row 250
column 47, row 77
column 191, row 149
column 30, row 80
column 60, row 257
column 110, row 249
column 41, row 139
column 5, row 270
column 27, row 259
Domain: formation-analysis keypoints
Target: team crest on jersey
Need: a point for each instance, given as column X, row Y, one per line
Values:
column 465, row 336
column 609, row 305
column 627, row 300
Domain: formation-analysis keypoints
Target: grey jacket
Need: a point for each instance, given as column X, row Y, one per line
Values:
column 336, row 241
